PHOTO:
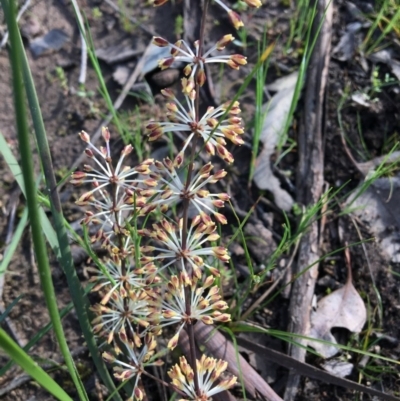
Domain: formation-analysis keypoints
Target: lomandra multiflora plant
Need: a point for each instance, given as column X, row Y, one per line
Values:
column 159, row 279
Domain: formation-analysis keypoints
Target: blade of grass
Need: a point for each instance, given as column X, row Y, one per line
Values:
column 14, row 242
column 39, row 335
column 261, row 75
column 95, row 63
column 31, row 367
column 16, row 60
column 9, row 307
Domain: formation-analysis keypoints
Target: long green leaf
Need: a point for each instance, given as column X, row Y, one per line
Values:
column 58, row 238
column 9, row 307
column 25, row 150
column 31, row 367
column 14, row 242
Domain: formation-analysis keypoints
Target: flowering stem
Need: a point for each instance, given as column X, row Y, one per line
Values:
column 186, row 201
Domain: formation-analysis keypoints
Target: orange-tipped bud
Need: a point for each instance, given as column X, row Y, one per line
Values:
column 168, row 93
column 201, row 77
column 235, row 19
column 224, row 197
column 187, row 70
column 233, row 65
column 224, row 154
column 205, row 170
column 105, row 134
column 178, row 160
column 173, row 342
column 165, row 63
column 225, row 40
column 172, row 107
column 89, row 153
column 84, row 136
column 239, row 59
column 155, row 134
column 210, row 148
column 218, row 203
column 253, row 3
column 207, row 320
column 159, row 41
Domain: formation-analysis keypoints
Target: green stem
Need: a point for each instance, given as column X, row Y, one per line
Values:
column 30, row 187
column 80, row 301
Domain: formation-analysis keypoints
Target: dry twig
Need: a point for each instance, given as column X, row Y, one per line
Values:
column 310, row 184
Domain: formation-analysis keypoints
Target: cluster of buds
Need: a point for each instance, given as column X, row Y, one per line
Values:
column 160, row 278
column 194, row 70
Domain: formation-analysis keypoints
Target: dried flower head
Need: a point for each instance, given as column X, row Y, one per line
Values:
column 116, row 275
column 113, row 188
column 172, row 189
column 204, row 301
column 201, row 230
column 209, row 371
column 209, row 127
column 121, row 312
column 194, row 70
column 132, row 360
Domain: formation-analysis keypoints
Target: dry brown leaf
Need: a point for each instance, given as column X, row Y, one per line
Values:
column 379, row 207
column 277, row 111
column 342, row 308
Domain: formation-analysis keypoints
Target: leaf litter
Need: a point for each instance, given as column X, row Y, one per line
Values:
column 341, row 308
column 276, row 111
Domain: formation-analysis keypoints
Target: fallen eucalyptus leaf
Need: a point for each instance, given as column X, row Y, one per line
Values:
column 347, row 45
column 338, row 368
column 341, row 308
column 379, row 207
column 277, row 111
column 385, row 56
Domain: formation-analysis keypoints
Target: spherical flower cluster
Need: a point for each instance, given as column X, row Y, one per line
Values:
column 113, row 188
column 205, row 304
column 138, row 354
column 116, row 276
column 209, row 370
column 172, row 189
column 174, row 251
column 210, row 127
column 120, row 313
column 194, row 70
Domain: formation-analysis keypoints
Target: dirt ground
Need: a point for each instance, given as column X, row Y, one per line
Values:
column 65, row 113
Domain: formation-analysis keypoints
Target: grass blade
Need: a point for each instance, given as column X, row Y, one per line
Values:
column 31, row 192
column 31, row 367
column 57, row 238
